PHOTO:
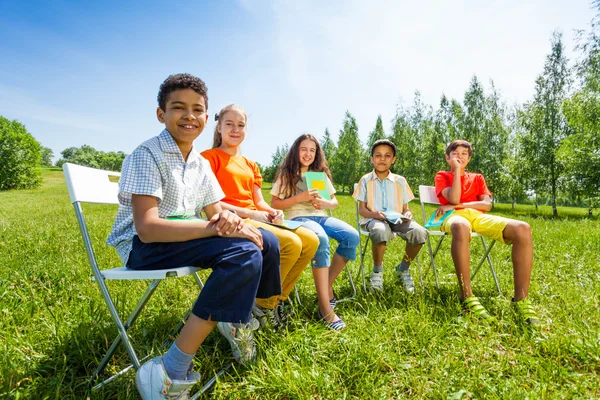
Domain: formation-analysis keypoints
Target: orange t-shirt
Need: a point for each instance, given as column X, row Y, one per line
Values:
column 472, row 186
column 237, row 176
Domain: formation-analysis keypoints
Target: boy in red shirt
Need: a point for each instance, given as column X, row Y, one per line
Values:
column 467, row 194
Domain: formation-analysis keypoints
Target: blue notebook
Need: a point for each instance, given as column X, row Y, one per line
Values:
column 436, row 222
column 394, row 217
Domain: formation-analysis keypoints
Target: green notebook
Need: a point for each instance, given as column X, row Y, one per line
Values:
column 318, row 180
column 436, row 222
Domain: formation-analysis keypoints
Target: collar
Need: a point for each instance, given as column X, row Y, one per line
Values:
column 391, row 176
column 168, row 145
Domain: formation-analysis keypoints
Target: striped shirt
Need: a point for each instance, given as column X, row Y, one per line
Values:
column 157, row 168
column 389, row 194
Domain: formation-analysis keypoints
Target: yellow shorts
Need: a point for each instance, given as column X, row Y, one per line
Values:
column 486, row 225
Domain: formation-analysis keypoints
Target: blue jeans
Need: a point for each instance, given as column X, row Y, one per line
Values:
column 240, row 271
column 329, row 227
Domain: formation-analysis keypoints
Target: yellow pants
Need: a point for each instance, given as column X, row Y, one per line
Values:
column 296, row 248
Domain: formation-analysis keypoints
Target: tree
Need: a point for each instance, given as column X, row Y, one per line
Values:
column 328, row 146
column 47, row 155
column 20, row 156
column 276, row 160
column 346, row 167
column 90, row 157
column 376, row 134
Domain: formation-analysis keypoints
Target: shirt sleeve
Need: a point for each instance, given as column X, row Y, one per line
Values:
column 212, row 190
column 360, row 193
column 441, row 183
column 275, row 190
column 330, row 187
column 408, row 194
column 258, row 179
column 482, row 186
column 140, row 175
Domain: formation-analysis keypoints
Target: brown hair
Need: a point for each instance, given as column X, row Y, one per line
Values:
column 289, row 170
column 217, row 138
column 459, row 143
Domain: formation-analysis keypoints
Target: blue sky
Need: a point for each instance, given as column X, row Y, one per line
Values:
column 88, row 72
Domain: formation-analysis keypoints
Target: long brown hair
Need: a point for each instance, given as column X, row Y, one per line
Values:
column 217, row 138
column 289, row 170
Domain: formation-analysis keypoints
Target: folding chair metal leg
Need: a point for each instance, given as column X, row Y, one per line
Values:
column 489, row 261
column 123, row 328
column 432, row 258
column 297, row 296
column 347, row 268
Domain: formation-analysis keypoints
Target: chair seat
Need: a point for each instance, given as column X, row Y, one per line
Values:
column 440, row 233
column 124, row 273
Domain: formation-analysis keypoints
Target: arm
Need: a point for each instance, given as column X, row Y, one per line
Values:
column 406, row 211
column 320, row 203
column 261, row 204
column 282, row 204
column 150, row 228
column 483, row 204
column 453, row 193
column 365, row 212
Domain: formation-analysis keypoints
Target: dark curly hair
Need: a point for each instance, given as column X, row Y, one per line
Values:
column 178, row 82
column 289, row 170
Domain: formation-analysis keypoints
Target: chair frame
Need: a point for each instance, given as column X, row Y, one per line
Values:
column 89, row 185
column 427, row 196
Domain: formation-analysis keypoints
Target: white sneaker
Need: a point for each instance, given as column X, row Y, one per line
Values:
column 153, row 383
column 241, row 340
column 407, row 281
column 377, row 281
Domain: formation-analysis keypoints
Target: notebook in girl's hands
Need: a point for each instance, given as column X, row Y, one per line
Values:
column 318, row 180
column 436, row 222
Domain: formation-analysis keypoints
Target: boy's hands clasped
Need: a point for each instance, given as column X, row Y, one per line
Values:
column 230, row 224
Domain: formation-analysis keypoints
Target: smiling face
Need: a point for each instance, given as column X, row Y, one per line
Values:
column 184, row 117
column 232, row 127
column 383, row 158
column 460, row 155
column 306, row 153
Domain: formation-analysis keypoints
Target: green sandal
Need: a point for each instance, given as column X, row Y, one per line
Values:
column 527, row 312
column 473, row 306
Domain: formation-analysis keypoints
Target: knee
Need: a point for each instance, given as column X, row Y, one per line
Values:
column 522, row 231
column 311, row 242
column 323, row 241
column 460, row 230
column 293, row 245
column 353, row 238
column 421, row 235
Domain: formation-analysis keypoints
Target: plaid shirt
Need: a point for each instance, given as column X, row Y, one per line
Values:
column 389, row 194
column 157, row 168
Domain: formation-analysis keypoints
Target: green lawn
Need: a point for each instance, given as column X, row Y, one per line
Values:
column 55, row 326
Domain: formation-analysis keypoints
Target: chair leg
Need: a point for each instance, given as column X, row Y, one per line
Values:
column 489, row 261
column 122, row 336
column 297, row 296
column 347, row 268
column 432, row 258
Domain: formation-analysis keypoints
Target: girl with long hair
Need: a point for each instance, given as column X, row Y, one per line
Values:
column 291, row 194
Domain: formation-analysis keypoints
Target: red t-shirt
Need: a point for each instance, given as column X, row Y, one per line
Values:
column 472, row 185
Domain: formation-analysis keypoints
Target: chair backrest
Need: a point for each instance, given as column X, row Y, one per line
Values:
column 427, row 195
column 90, row 185
column 356, row 211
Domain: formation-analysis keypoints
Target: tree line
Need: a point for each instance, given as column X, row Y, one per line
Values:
column 545, row 151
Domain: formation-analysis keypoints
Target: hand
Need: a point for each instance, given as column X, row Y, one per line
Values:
column 226, row 222
column 262, row 216
column 276, row 216
column 309, row 195
column 380, row 215
column 320, row 203
column 409, row 216
column 251, row 233
column 455, row 164
column 441, row 210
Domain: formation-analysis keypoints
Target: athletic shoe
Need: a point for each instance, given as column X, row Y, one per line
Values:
column 407, row 281
column 473, row 306
column 527, row 312
column 377, row 281
column 265, row 316
column 284, row 313
column 153, row 383
column 241, row 340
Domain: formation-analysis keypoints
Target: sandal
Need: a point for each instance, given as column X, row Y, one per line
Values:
column 527, row 312
column 473, row 306
column 335, row 325
column 333, row 302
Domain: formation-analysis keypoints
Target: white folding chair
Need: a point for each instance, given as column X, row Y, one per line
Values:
column 427, row 196
column 89, row 185
column 350, row 280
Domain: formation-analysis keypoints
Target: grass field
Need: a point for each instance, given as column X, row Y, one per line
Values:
column 55, row 327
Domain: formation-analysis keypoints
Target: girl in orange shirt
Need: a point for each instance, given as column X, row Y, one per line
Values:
column 241, row 182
